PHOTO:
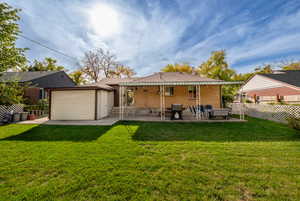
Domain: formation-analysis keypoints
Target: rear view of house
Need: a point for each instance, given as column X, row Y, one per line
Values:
column 281, row 86
column 152, row 95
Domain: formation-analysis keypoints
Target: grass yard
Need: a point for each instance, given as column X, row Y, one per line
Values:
column 257, row 160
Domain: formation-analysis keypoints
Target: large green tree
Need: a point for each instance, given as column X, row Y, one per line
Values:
column 11, row 57
column 216, row 67
column 49, row 64
column 184, row 67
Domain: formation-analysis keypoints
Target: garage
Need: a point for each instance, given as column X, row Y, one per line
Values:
column 80, row 103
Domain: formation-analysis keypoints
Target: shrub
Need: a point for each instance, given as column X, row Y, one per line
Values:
column 11, row 93
column 294, row 123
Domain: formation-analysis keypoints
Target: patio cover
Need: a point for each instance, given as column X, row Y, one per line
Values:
column 174, row 78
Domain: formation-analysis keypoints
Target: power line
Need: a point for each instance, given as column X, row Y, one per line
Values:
column 49, row 48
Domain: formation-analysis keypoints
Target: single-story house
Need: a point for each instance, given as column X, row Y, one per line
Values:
column 153, row 93
column 38, row 81
column 280, row 86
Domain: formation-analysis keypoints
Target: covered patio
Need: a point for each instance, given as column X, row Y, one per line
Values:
column 174, row 96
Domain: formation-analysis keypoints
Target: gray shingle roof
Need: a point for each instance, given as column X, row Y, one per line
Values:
column 115, row 81
column 100, row 85
column 173, row 77
column 291, row 77
column 24, row 76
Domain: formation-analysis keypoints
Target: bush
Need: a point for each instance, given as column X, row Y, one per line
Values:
column 294, row 123
column 11, row 93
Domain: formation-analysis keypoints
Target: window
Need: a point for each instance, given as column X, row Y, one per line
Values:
column 42, row 94
column 169, row 91
column 192, row 92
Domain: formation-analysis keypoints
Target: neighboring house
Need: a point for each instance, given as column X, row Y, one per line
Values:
column 38, row 81
column 153, row 94
column 281, row 86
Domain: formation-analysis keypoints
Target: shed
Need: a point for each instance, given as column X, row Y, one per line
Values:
column 80, row 102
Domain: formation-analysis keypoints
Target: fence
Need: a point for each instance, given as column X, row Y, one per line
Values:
column 278, row 113
column 5, row 109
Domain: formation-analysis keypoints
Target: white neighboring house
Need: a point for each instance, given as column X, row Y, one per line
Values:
column 281, row 86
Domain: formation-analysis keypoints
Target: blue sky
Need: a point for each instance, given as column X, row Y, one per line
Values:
column 148, row 34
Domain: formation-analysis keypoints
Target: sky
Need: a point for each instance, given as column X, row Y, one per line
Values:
column 148, row 34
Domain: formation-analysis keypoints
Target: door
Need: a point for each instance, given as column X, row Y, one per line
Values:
column 102, row 104
column 73, row 105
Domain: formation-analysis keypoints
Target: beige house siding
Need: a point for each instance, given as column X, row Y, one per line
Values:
column 148, row 97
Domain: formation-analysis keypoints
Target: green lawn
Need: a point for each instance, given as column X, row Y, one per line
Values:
column 257, row 160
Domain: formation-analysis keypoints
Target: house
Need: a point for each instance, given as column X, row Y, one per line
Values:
column 38, row 81
column 151, row 95
column 281, row 86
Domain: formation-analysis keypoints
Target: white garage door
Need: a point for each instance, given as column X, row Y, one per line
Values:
column 73, row 105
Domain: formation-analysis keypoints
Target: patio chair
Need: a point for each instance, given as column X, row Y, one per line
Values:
column 201, row 110
column 208, row 110
column 192, row 110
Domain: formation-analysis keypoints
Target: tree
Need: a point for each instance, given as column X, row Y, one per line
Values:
column 49, row 64
column 11, row 93
column 78, row 77
column 10, row 55
column 291, row 66
column 178, row 68
column 265, row 69
column 122, row 71
column 216, row 67
column 98, row 63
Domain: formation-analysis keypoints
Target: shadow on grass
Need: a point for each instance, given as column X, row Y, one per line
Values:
column 255, row 130
column 60, row 133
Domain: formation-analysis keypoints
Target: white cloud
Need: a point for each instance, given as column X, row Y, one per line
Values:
column 150, row 37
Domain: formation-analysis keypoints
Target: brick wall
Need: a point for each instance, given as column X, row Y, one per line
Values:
column 148, row 97
column 32, row 95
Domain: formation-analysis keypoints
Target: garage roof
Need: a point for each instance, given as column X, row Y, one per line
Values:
column 83, row 87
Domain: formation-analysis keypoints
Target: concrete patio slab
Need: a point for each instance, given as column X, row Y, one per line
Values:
column 36, row 121
column 112, row 120
column 192, row 120
column 102, row 122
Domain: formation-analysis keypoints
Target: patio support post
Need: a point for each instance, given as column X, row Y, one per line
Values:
column 164, row 103
column 125, row 100
column 160, row 96
column 199, row 100
column 242, row 114
column 197, row 116
column 120, row 110
column 121, row 102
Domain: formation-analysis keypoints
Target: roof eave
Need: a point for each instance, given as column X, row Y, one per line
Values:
column 179, row 83
column 78, row 88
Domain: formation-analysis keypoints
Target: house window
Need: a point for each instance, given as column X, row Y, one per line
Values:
column 192, row 92
column 42, row 94
column 169, row 91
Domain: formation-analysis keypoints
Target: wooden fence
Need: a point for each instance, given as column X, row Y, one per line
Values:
column 278, row 113
column 5, row 109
